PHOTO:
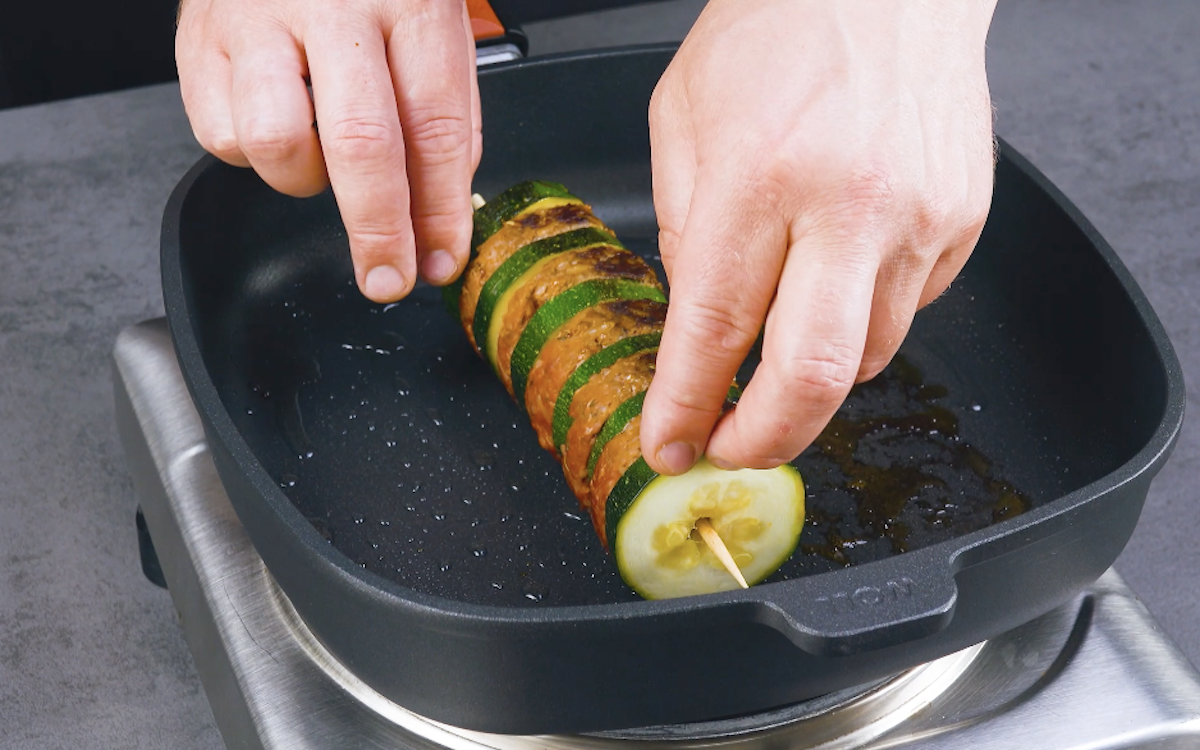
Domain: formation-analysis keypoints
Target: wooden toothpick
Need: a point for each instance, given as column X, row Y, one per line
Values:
column 477, row 202
column 717, row 545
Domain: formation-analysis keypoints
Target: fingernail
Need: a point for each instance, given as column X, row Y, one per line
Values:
column 722, row 464
column 384, row 284
column 677, row 457
column 439, row 266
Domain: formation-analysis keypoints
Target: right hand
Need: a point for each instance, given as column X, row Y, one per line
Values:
column 394, row 100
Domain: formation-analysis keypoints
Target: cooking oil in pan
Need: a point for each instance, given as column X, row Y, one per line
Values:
column 403, row 450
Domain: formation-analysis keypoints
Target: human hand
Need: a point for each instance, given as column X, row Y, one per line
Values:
column 395, row 100
column 825, row 168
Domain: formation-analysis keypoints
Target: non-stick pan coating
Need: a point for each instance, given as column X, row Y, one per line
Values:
column 400, row 499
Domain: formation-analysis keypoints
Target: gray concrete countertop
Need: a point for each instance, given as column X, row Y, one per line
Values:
column 1104, row 96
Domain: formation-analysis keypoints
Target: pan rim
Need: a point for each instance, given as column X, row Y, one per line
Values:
column 953, row 555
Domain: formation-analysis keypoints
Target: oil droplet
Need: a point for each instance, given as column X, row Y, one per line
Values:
column 385, row 523
column 572, row 516
column 497, row 585
column 287, row 480
column 976, row 407
column 439, row 516
column 358, row 520
column 534, row 591
column 444, row 567
column 479, row 550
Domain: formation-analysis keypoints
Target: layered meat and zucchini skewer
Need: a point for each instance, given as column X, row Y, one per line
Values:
column 570, row 321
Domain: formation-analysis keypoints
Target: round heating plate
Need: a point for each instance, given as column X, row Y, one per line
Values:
column 839, row 721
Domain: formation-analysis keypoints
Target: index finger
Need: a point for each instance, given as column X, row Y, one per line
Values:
column 812, row 347
column 725, row 272
column 432, row 57
column 363, row 147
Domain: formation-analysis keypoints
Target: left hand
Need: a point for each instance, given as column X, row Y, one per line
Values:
column 821, row 167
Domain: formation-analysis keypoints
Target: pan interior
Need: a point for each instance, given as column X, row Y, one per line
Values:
column 1030, row 378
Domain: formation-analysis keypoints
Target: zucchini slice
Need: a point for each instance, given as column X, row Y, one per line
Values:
column 624, row 414
column 616, row 422
column 562, row 308
column 598, row 362
column 493, row 298
column 517, row 200
column 651, row 522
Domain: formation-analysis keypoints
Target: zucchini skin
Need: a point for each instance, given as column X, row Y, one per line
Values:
column 513, row 236
column 571, row 321
column 551, row 281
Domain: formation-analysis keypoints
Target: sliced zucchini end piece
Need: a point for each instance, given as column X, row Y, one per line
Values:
column 661, row 555
column 492, row 215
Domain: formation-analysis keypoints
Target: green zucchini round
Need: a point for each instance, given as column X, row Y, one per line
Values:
column 594, row 364
column 505, row 278
column 562, row 308
column 651, row 519
column 492, row 215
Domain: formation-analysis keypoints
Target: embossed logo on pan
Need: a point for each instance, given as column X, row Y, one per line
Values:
column 869, row 596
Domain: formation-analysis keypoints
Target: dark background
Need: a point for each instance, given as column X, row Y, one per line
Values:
column 55, row 50
column 58, row 50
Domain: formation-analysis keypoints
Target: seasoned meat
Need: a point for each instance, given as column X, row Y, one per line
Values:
column 556, row 275
column 615, row 459
column 593, row 405
column 514, row 235
column 571, row 345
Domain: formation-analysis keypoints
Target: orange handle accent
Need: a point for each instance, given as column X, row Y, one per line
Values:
column 484, row 22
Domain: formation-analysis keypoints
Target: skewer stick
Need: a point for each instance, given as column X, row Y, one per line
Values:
column 717, row 545
column 477, row 202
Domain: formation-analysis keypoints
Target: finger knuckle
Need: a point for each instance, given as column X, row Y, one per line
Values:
column 272, row 141
column 763, row 441
column 359, row 139
column 444, row 227
column 857, row 206
column 823, row 376
column 659, row 103
column 871, row 366
column 668, row 240
column 718, row 330
column 375, row 243
column 690, row 401
column 437, row 137
column 868, row 193
column 978, row 206
column 220, row 142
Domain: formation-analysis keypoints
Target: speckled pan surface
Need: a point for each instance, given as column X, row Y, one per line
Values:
column 353, row 435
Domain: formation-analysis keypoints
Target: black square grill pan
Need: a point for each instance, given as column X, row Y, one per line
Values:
column 400, row 499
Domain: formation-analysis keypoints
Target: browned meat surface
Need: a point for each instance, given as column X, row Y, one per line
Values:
column 615, row 459
column 584, row 335
column 592, row 406
column 514, row 235
column 558, row 274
